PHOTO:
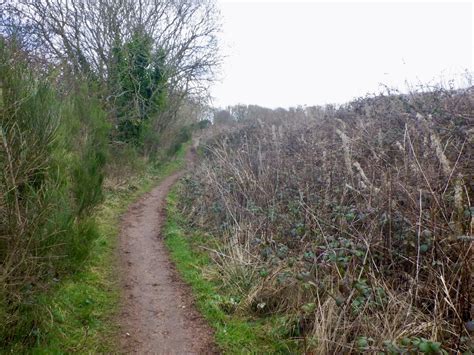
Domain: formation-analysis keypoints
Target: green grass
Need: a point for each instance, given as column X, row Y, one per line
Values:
column 77, row 314
column 233, row 334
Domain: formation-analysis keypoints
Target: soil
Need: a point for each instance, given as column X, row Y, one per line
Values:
column 158, row 315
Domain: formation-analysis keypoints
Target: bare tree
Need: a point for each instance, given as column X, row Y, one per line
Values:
column 83, row 33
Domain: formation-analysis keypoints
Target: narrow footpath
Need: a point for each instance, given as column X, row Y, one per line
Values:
column 157, row 315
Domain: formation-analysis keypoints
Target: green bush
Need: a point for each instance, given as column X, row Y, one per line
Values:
column 53, row 150
column 90, row 144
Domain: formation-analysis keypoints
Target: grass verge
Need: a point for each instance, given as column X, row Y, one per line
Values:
column 234, row 334
column 77, row 313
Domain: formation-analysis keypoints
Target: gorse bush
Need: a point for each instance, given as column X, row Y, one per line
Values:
column 354, row 223
column 53, row 151
column 90, row 140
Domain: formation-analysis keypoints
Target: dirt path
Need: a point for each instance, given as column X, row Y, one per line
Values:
column 158, row 315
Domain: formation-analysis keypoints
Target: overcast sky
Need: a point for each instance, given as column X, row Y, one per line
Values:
column 287, row 53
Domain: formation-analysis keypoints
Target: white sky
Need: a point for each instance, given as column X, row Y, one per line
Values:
column 281, row 54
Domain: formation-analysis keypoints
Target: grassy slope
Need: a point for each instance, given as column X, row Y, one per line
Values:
column 79, row 310
column 234, row 334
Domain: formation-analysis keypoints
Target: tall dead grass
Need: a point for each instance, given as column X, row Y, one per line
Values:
column 356, row 223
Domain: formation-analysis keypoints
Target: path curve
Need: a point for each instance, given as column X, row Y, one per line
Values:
column 158, row 315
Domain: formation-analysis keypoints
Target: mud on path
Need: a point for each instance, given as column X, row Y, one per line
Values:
column 157, row 315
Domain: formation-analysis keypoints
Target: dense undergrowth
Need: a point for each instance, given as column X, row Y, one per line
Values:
column 351, row 225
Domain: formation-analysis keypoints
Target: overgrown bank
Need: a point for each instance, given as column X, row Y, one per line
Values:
column 351, row 227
